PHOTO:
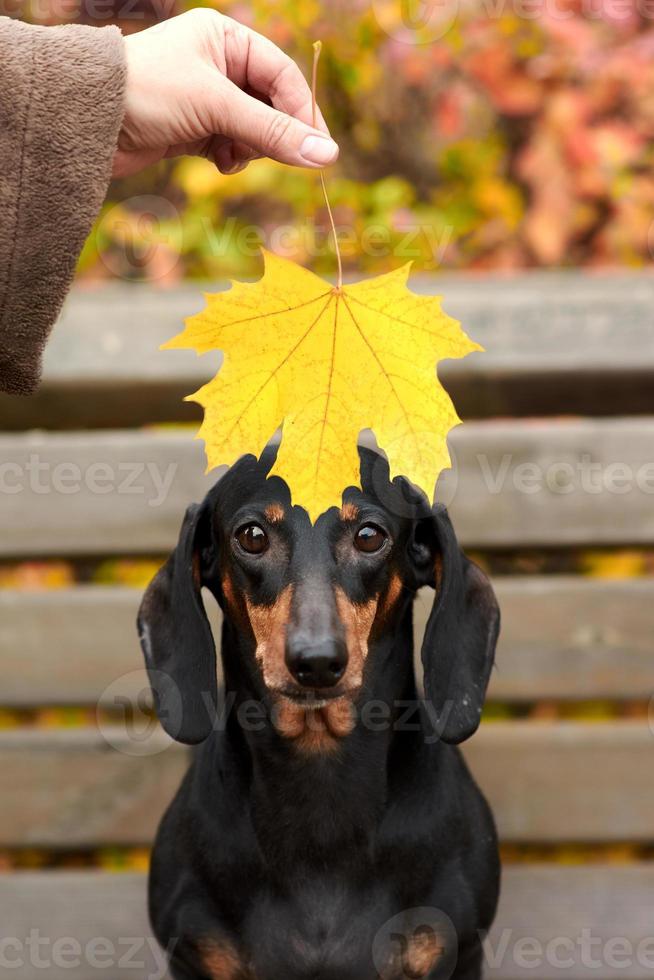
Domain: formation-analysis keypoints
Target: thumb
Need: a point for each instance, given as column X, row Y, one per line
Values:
column 272, row 133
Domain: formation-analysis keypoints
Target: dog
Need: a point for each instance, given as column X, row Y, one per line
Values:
column 328, row 828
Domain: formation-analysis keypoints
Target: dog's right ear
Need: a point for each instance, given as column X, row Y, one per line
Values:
column 176, row 638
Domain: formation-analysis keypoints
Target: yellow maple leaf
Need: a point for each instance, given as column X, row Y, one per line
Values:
column 324, row 363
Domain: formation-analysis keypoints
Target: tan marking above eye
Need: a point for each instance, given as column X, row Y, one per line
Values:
column 269, row 627
column 274, row 513
column 349, row 512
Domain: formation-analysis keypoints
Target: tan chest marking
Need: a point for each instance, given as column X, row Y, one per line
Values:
column 221, row 961
column 418, row 957
column 425, row 949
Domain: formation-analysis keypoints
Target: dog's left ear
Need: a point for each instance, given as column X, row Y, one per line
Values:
column 176, row 638
column 459, row 645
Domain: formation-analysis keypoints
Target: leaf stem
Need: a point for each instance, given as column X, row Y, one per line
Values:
column 317, row 47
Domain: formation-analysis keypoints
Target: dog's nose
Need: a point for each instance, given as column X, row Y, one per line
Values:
column 321, row 665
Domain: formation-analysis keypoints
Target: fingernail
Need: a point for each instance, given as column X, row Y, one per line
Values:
column 318, row 150
column 236, row 168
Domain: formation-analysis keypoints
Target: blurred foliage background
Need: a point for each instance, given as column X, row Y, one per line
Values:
column 475, row 134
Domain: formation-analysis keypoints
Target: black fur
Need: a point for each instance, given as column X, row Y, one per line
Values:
column 298, row 860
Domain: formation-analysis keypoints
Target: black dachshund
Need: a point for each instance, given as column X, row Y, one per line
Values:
column 328, row 828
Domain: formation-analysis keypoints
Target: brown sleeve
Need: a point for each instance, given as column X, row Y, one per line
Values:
column 61, row 107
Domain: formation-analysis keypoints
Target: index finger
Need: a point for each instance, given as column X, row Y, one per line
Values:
column 274, row 74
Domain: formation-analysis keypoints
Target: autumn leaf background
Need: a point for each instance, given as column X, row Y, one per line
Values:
column 510, row 142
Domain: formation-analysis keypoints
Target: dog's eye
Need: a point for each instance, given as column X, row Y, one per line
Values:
column 253, row 539
column 369, row 538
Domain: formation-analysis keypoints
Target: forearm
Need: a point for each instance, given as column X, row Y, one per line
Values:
column 61, row 108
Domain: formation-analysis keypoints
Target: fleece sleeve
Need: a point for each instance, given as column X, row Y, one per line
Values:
column 61, row 107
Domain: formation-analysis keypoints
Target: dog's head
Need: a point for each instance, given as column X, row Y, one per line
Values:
column 314, row 609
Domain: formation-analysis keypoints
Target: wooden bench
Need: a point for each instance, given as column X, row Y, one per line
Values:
column 556, row 343
column 79, row 487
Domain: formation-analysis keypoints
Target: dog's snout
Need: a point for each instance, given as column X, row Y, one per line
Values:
column 320, row 665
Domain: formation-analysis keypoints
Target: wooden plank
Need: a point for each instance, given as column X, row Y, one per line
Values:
column 548, row 484
column 574, row 922
column 552, row 921
column 85, row 493
column 88, row 924
column 567, row 781
column 86, row 788
column 513, row 484
column 570, row 638
column 74, row 646
column 564, row 781
column 572, row 320
column 565, row 342
column 563, row 637
column 575, row 638
column 67, row 646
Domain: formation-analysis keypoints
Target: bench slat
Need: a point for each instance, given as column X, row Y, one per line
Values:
column 552, row 904
column 545, row 781
column 547, row 904
column 514, row 484
column 70, row 788
column 68, row 646
column 569, row 342
column 564, row 320
column 566, row 781
column 567, row 637
column 105, row 913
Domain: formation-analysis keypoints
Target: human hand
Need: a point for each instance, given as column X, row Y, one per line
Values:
column 205, row 85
